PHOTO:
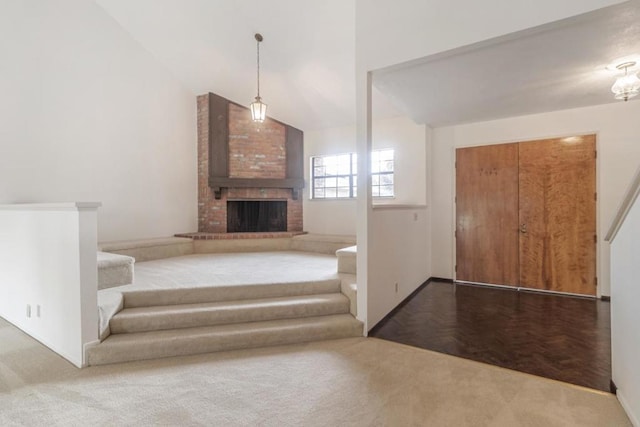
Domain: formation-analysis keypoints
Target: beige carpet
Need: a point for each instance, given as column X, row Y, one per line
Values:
column 350, row 382
column 233, row 269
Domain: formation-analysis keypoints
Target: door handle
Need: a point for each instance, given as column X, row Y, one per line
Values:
column 523, row 228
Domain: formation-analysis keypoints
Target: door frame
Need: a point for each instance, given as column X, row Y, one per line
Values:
column 598, row 228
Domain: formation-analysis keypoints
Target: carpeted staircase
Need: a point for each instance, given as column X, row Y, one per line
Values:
column 175, row 322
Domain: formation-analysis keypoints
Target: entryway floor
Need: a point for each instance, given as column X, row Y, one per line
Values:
column 558, row 337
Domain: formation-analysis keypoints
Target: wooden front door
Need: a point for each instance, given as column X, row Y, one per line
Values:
column 525, row 214
column 558, row 215
column 487, row 214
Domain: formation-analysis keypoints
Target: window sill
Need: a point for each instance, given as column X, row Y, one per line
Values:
column 335, row 199
column 353, row 199
column 391, row 206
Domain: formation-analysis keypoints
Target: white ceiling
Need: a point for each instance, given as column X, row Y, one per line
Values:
column 553, row 67
column 308, row 61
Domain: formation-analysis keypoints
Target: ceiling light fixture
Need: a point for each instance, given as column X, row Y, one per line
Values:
column 626, row 86
column 258, row 108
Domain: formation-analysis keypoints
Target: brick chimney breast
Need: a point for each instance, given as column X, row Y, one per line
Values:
column 255, row 151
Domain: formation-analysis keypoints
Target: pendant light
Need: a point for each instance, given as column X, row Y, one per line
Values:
column 626, row 86
column 258, row 108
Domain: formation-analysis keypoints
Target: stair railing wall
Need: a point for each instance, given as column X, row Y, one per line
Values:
column 624, row 239
column 630, row 197
column 48, row 274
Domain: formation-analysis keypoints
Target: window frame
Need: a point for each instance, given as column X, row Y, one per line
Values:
column 353, row 185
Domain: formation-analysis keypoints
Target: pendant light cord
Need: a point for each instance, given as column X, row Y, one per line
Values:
column 258, row 41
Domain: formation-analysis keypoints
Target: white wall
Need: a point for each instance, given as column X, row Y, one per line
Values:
column 328, row 216
column 47, row 259
column 399, row 133
column 618, row 153
column 408, row 141
column 87, row 114
column 625, row 312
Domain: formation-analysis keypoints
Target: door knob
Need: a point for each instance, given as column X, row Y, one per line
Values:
column 523, row 228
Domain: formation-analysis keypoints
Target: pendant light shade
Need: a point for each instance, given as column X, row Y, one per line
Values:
column 258, row 108
column 626, row 86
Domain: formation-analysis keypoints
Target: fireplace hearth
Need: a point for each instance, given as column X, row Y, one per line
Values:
column 247, row 216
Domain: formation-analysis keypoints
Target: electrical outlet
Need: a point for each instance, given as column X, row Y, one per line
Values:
column 38, row 310
column 28, row 310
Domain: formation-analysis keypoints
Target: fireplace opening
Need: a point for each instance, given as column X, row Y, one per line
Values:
column 247, row 216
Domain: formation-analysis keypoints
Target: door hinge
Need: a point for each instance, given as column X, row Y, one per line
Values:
column 455, row 268
column 455, row 234
column 595, row 238
column 455, row 199
column 595, row 154
column 455, row 165
column 595, row 196
column 595, row 280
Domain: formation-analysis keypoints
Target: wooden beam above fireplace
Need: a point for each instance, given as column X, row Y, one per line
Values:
column 217, row 183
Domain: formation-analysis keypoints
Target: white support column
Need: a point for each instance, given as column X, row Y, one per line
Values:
column 364, row 207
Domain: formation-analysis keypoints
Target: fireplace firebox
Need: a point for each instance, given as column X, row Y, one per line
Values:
column 247, row 216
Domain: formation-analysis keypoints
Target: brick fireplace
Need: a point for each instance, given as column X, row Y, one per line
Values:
column 239, row 160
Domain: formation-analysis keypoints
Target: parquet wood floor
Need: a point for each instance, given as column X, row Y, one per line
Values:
column 558, row 337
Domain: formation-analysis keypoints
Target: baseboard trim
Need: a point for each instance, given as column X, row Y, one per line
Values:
column 527, row 290
column 440, row 279
column 627, row 409
column 605, row 298
column 384, row 320
column 612, row 387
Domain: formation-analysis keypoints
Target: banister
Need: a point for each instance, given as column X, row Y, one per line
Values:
column 630, row 197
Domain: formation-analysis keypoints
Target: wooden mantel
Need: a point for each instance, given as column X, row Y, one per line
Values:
column 219, row 155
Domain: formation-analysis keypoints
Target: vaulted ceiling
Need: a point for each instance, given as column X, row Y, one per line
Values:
column 308, row 61
column 307, row 57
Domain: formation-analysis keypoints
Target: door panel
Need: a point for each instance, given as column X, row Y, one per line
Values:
column 557, row 207
column 487, row 214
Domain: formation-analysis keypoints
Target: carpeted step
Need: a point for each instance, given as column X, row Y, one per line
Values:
column 349, row 288
column 156, row 297
column 347, row 259
column 321, row 243
column 142, row 319
column 180, row 342
column 114, row 270
column 150, row 249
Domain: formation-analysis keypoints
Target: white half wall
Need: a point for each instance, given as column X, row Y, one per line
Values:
column 400, row 133
column 48, row 274
column 87, row 114
column 618, row 153
column 399, row 257
column 625, row 312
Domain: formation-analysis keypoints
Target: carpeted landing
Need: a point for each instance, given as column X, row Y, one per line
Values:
column 347, row 382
